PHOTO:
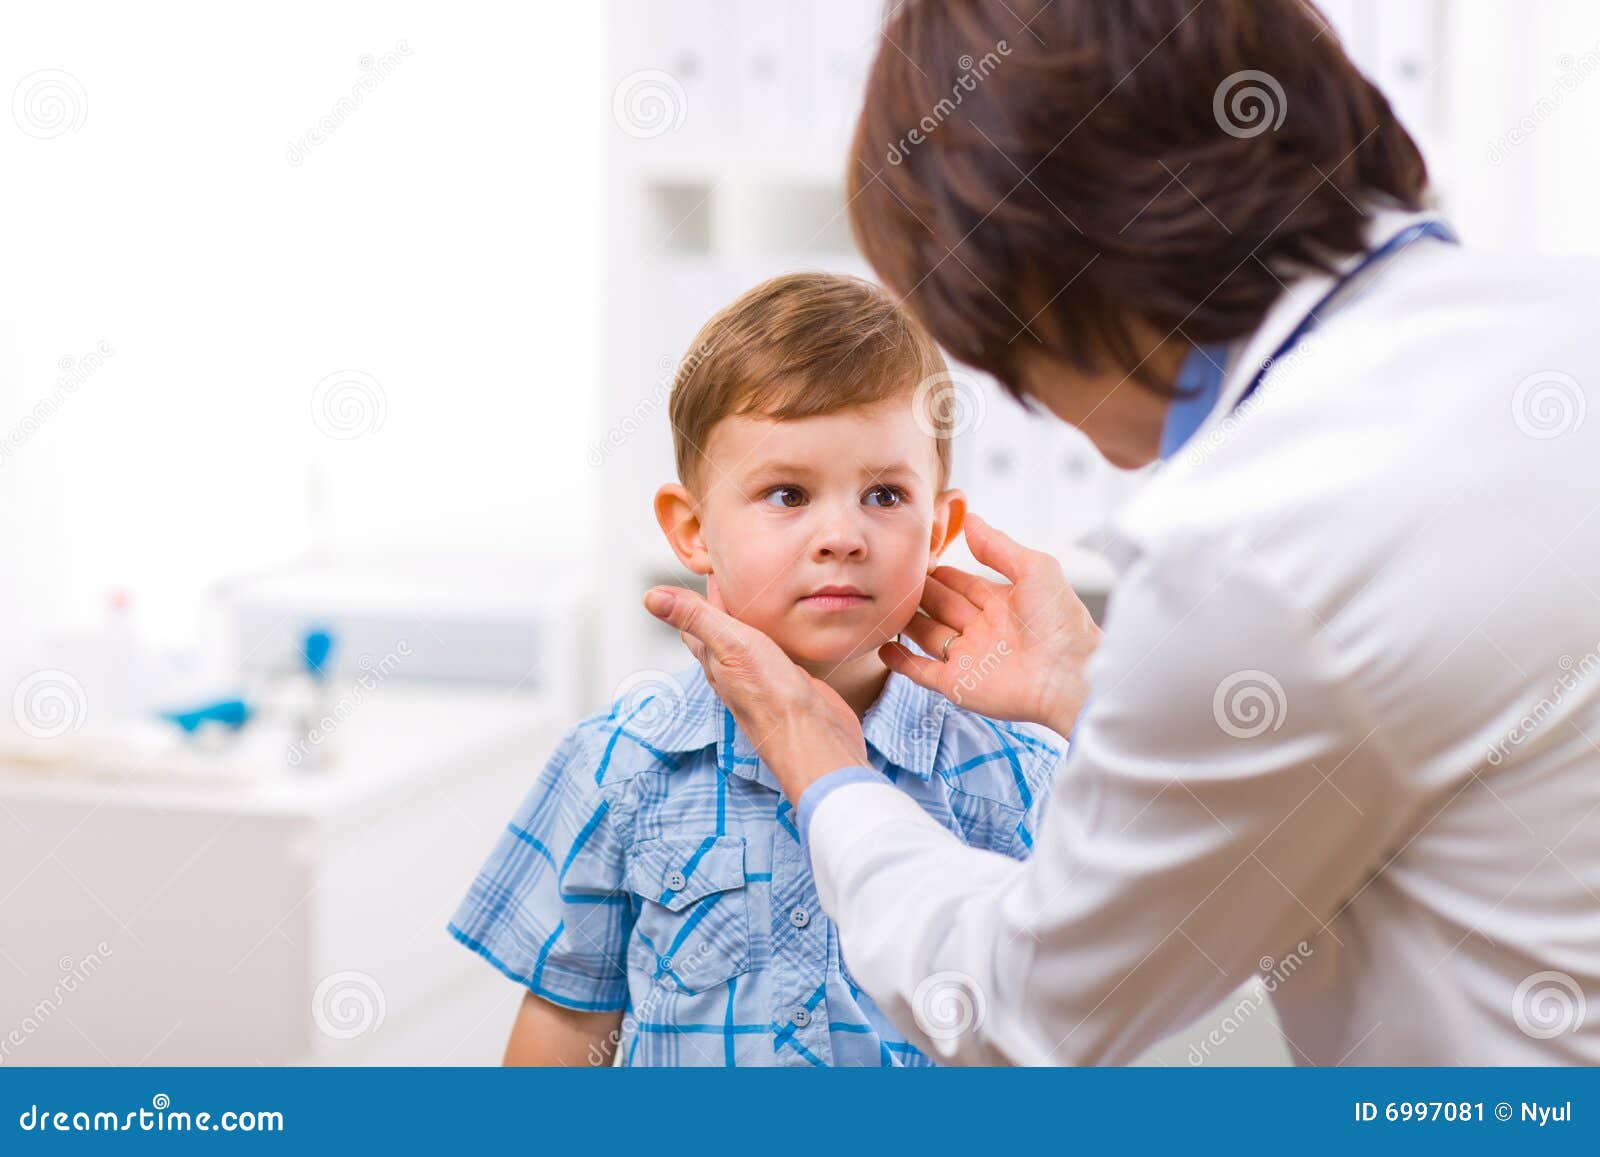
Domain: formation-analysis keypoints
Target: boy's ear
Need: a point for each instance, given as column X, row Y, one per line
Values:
column 679, row 515
column 949, row 516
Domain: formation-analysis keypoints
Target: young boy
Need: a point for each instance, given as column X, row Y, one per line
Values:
column 651, row 892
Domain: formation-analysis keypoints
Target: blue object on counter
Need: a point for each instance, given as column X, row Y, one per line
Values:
column 233, row 713
column 317, row 647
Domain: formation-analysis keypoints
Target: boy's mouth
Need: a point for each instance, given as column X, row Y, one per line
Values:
column 836, row 597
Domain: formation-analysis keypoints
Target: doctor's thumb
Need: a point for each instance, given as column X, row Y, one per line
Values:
column 691, row 615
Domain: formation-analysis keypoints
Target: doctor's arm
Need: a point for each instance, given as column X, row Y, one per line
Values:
column 1226, row 794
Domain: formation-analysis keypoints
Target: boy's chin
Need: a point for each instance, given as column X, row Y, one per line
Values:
column 819, row 655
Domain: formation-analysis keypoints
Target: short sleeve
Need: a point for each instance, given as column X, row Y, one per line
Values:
column 549, row 908
column 999, row 807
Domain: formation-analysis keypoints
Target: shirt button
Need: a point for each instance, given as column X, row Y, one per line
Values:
column 799, row 917
column 800, row 1017
column 675, row 881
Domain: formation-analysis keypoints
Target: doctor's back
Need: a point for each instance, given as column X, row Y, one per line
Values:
column 1383, row 570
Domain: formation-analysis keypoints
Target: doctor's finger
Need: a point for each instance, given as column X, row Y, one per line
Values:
column 994, row 548
column 942, row 602
column 717, row 632
column 698, row 650
column 695, row 646
column 975, row 588
column 930, row 634
column 929, row 673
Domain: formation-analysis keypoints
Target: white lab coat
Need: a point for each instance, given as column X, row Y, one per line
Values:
column 1343, row 721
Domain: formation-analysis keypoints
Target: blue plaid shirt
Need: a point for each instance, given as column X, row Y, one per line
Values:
column 655, row 868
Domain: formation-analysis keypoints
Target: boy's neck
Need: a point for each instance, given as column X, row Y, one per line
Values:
column 858, row 682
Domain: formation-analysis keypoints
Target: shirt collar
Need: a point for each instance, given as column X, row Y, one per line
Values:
column 903, row 724
column 1199, row 385
column 1212, row 378
column 905, row 721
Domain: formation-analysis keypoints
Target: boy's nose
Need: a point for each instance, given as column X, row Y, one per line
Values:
column 840, row 537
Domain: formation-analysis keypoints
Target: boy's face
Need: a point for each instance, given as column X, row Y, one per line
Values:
column 787, row 508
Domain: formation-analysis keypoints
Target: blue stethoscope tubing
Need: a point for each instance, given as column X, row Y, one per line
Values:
column 1402, row 240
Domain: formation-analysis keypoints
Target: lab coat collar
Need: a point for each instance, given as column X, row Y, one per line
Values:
column 903, row 724
column 1297, row 302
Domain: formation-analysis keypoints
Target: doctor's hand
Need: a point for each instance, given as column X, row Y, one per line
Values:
column 799, row 725
column 1012, row 650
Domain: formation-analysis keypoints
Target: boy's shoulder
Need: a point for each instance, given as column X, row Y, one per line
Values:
column 959, row 751
column 1033, row 736
column 1008, row 762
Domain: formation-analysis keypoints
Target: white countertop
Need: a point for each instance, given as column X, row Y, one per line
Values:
column 394, row 739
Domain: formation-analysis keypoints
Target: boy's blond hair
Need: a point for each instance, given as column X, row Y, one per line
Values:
column 801, row 345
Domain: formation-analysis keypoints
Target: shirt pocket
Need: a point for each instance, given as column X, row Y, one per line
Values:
column 693, row 928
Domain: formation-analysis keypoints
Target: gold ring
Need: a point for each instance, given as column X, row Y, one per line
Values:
column 944, row 654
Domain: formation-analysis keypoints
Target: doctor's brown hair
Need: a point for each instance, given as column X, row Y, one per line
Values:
column 1039, row 174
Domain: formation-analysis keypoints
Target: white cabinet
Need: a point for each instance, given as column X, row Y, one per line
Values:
column 296, row 920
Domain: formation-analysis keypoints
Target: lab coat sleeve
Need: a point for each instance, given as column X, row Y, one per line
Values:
column 1208, row 820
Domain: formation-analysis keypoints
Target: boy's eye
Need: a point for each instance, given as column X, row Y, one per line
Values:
column 893, row 496
column 790, row 496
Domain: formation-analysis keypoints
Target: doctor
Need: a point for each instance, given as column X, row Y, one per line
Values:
column 1341, row 727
